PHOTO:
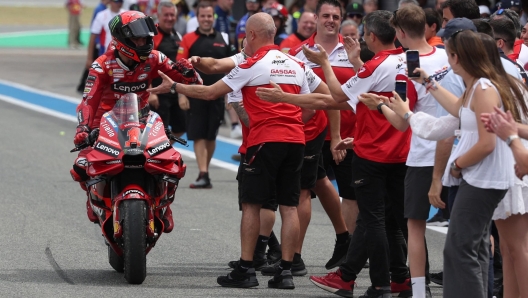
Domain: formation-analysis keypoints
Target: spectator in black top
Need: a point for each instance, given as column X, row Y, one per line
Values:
column 204, row 117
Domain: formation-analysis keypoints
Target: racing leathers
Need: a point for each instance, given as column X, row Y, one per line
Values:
column 108, row 79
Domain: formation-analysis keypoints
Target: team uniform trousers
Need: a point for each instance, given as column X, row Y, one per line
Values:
column 382, row 230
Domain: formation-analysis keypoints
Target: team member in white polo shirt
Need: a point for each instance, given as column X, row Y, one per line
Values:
column 275, row 145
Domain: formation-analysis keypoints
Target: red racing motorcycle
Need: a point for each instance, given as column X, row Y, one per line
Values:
column 134, row 172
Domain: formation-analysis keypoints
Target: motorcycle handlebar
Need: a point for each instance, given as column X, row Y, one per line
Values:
column 90, row 140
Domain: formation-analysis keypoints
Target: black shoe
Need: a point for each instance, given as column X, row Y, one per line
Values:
column 437, row 221
column 438, row 278
column 237, row 279
column 202, row 181
column 339, row 255
column 297, row 269
column 273, row 255
column 284, row 280
column 258, row 263
column 375, row 293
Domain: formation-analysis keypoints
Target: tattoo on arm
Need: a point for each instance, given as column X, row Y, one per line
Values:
column 241, row 112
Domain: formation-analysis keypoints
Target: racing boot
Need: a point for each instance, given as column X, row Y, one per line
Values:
column 168, row 223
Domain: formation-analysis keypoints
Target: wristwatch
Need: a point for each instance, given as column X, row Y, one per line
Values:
column 407, row 115
column 510, row 139
column 379, row 107
column 454, row 166
column 173, row 88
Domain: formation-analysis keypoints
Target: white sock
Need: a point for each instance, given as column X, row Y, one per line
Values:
column 418, row 287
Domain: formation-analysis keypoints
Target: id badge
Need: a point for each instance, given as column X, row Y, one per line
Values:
column 457, row 140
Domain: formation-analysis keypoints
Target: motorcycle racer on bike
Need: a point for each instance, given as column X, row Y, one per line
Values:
column 129, row 66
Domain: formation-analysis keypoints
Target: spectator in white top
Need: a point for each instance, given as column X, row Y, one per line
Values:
column 479, row 163
column 100, row 27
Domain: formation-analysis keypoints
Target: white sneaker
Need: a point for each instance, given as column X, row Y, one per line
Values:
column 236, row 132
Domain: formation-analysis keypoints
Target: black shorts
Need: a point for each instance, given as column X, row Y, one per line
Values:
column 417, row 184
column 204, row 118
column 342, row 171
column 271, row 205
column 312, row 167
column 169, row 110
column 272, row 171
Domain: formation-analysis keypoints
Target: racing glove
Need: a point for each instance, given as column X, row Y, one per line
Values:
column 190, row 76
column 81, row 135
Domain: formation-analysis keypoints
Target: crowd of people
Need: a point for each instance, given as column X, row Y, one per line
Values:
column 312, row 89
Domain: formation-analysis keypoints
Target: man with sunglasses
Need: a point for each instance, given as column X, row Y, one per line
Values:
column 520, row 50
column 355, row 12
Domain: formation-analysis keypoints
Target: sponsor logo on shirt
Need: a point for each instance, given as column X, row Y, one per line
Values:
column 97, row 67
column 283, row 72
column 142, row 76
column 127, row 87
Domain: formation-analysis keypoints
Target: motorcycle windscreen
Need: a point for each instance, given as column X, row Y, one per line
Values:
column 126, row 111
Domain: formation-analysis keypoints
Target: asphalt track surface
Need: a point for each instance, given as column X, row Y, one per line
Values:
column 50, row 249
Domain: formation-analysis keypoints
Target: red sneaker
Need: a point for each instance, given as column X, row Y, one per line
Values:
column 168, row 223
column 403, row 289
column 91, row 215
column 333, row 283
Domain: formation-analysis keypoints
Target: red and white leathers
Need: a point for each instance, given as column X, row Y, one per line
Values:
column 108, row 79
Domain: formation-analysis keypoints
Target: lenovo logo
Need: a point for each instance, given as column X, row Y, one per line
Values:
column 158, row 148
column 107, row 149
column 129, row 87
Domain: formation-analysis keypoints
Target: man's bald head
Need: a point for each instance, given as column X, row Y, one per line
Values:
column 262, row 25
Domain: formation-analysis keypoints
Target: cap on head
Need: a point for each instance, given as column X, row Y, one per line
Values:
column 508, row 4
column 355, row 9
column 455, row 25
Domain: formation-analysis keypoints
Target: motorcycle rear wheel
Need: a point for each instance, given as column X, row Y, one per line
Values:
column 134, row 240
column 115, row 260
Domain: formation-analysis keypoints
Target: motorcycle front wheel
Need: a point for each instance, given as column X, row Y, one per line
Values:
column 134, row 215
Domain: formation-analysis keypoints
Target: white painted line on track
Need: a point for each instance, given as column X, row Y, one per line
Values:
column 37, row 108
column 442, row 230
column 184, row 152
column 41, row 92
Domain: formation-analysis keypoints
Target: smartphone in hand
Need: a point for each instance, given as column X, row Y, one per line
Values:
column 401, row 88
column 413, row 62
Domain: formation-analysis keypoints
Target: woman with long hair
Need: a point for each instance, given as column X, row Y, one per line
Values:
column 480, row 163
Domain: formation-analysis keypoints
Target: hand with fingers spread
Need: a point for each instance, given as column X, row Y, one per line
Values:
column 371, row 100
column 486, row 119
column 274, row 94
column 165, row 85
column 345, row 144
column 353, row 49
column 399, row 106
column 503, row 124
column 318, row 57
